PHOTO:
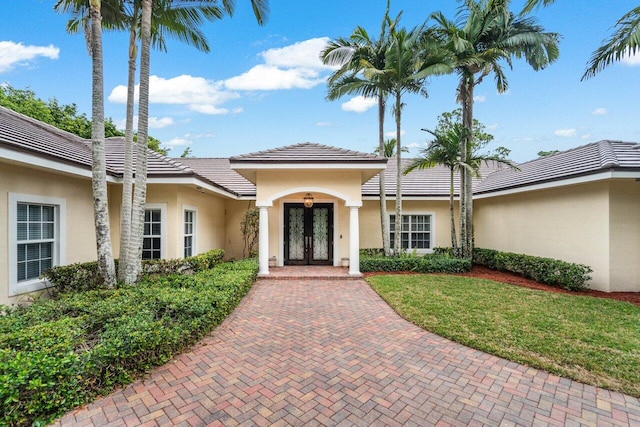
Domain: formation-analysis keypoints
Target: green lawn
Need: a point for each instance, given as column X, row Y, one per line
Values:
column 592, row 340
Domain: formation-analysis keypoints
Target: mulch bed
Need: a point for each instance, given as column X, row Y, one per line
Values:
column 515, row 279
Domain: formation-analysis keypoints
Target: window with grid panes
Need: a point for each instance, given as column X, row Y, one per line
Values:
column 189, row 231
column 36, row 237
column 415, row 231
column 152, row 235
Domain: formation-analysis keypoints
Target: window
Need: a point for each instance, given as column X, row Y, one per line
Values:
column 189, row 232
column 153, row 236
column 36, row 239
column 416, row 232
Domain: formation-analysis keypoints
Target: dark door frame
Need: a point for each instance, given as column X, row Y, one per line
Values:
column 308, row 234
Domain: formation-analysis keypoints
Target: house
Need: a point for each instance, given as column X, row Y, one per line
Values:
column 581, row 205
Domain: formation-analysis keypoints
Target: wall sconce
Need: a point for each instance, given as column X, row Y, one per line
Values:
column 308, row 200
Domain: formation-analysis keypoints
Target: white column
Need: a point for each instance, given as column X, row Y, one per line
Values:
column 263, row 242
column 354, row 242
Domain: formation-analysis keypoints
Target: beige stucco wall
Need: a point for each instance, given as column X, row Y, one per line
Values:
column 569, row 223
column 625, row 235
column 371, row 237
column 80, row 236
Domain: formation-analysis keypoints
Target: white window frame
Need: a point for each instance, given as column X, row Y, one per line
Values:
column 194, row 233
column 163, row 225
column 59, row 243
column 432, row 231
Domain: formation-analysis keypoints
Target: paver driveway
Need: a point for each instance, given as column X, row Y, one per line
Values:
column 333, row 353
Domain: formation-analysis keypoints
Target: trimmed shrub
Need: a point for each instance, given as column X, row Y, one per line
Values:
column 566, row 275
column 425, row 264
column 371, row 252
column 81, row 277
column 56, row 355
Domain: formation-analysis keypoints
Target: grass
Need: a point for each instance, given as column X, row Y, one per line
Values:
column 592, row 340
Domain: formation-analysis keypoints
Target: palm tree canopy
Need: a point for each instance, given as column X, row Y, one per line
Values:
column 624, row 42
column 486, row 34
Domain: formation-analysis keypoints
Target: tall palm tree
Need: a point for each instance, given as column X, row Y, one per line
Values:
column 389, row 149
column 408, row 64
column 485, row 34
column 93, row 34
column 134, row 268
column 362, row 60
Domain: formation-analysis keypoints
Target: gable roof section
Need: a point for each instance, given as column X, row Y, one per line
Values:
column 157, row 164
column 590, row 159
column 308, row 156
column 308, row 152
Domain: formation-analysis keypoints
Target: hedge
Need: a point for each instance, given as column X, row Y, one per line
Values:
column 84, row 276
column 566, row 275
column 425, row 264
column 56, row 355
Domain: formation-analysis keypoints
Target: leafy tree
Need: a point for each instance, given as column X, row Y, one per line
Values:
column 62, row 116
column 486, row 35
column 186, row 153
column 362, row 60
column 547, row 153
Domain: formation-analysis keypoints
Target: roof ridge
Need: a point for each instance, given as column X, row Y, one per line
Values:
column 608, row 157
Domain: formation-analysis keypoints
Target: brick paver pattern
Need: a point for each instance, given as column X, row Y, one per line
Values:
column 315, row 352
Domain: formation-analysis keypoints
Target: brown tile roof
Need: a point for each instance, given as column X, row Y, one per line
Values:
column 218, row 170
column 309, row 152
column 580, row 161
column 431, row 182
column 25, row 134
column 157, row 164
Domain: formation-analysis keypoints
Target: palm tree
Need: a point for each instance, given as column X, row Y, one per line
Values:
column 134, row 268
column 624, row 42
column 445, row 150
column 389, row 149
column 486, row 34
column 409, row 61
column 362, row 60
column 93, row 34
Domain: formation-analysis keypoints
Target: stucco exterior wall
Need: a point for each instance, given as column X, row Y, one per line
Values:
column 210, row 220
column 568, row 223
column 625, row 235
column 371, row 236
column 76, row 192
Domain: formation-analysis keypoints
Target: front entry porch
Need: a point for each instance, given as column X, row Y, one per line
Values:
column 309, row 272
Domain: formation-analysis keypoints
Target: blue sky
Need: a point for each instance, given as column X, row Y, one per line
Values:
column 263, row 87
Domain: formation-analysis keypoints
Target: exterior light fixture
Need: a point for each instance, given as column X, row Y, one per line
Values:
column 308, row 200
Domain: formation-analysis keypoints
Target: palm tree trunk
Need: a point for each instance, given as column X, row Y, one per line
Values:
column 106, row 265
column 466, row 188
column 454, row 240
column 140, row 191
column 384, row 217
column 127, row 179
column 398, row 230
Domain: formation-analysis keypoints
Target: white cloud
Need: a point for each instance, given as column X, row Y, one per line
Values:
column 586, row 136
column 158, row 123
column 324, row 124
column 359, row 104
column 177, row 142
column 599, row 112
column 304, row 54
column 566, row 133
column 414, row 145
column 297, row 66
column 480, row 98
column 198, row 93
column 16, row 54
column 392, row 133
column 493, row 126
column 269, row 77
column 631, row 59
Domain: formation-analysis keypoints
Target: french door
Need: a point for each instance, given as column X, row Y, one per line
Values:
column 308, row 234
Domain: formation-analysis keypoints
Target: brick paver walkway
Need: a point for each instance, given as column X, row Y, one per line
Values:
column 333, row 353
